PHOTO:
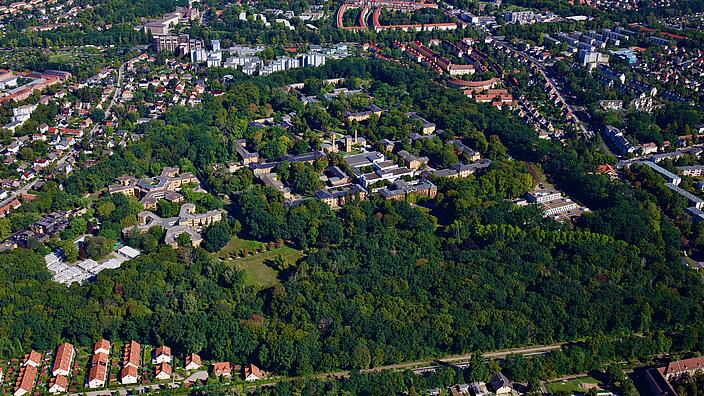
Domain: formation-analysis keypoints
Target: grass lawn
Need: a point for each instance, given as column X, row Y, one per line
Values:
column 572, row 386
column 61, row 57
column 235, row 245
column 513, row 8
column 258, row 272
column 422, row 208
column 146, row 354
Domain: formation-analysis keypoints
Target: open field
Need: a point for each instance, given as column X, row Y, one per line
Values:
column 259, row 273
column 256, row 267
column 576, row 385
column 235, row 245
column 62, row 57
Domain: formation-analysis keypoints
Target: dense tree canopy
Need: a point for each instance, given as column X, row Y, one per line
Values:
column 381, row 281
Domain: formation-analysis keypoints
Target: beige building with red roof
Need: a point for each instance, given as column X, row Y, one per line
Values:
column 33, row 358
column 25, row 380
column 131, row 354
column 162, row 355
column 63, row 360
column 130, row 362
column 128, row 375
column 677, row 369
column 660, row 379
column 102, row 346
column 252, row 373
column 193, row 362
column 222, row 369
column 58, row 384
column 162, row 371
column 97, row 375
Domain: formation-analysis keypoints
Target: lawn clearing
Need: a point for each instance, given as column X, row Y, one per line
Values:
column 576, row 385
column 261, row 274
column 62, row 57
column 235, row 245
column 258, row 272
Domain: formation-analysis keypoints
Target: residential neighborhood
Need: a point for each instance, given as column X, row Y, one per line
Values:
column 352, row 197
column 59, row 371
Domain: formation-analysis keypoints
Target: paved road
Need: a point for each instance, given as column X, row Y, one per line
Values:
column 113, row 101
column 198, row 375
column 22, row 190
column 118, row 87
column 121, row 391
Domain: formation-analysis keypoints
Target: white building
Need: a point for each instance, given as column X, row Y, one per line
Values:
column 199, row 55
column 239, row 61
column 213, row 62
column 313, row 60
column 591, row 59
column 520, row 17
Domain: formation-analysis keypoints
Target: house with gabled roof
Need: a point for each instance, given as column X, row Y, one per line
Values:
column 162, row 371
column 131, row 354
column 130, row 362
column 32, row 358
column 63, row 359
column 162, row 354
column 26, row 380
column 102, row 346
column 222, row 369
column 501, row 385
column 660, row 379
column 253, row 373
column 128, row 375
column 193, row 361
column 58, row 384
column 97, row 374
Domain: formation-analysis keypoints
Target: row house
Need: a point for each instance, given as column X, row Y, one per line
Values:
column 25, row 380
column 130, row 363
column 97, row 374
column 65, row 354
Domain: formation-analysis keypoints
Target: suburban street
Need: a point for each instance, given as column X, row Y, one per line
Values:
column 28, row 186
column 554, row 85
column 118, row 89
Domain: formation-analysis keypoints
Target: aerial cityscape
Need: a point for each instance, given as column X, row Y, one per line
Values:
column 352, row 197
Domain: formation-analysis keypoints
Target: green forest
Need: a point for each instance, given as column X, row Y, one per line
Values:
column 381, row 282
